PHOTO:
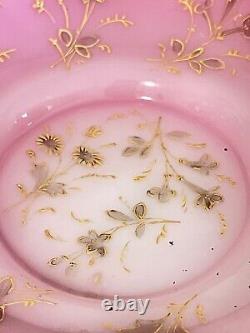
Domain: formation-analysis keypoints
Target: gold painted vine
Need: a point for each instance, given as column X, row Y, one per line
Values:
column 171, row 322
column 28, row 296
column 180, row 52
column 76, row 45
column 135, row 216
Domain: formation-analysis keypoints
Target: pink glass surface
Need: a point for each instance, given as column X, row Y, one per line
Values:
column 184, row 64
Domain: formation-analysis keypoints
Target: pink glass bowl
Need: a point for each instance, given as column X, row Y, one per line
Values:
column 191, row 56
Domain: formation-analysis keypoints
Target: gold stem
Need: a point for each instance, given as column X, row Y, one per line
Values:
column 24, row 301
column 137, row 222
column 65, row 12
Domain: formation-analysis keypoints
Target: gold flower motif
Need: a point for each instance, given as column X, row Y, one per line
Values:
column 95, row 242
column 205, row 164
column 52, row 143
column 209, row 199
column 163, row 193
column 86, row 156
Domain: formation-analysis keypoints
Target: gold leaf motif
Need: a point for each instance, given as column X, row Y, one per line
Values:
column 93, row 132
column 229, row 6
column 6, row 286
column 130, row 151
column 201, row 145
column 196, row 66
column 82, row 51
column 65, row 37
column 77, row 219
column 162, row 235
column 196, row 53
column 136, row 140
column 178, row 135
column 123, row 256
column 184, row 203
column 213, row 63
column 50, row 235
column 178, row 46
column 89, row 41
column 226, row 179
column 144, row 174
column 140, row 229
column 57, row 260
column 145, row 151
column 140, row 210
column 119, row 216
column 47, row 210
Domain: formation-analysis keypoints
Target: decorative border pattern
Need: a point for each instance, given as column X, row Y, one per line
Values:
column 76, row 45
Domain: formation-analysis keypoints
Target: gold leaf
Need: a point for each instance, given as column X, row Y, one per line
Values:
column 50, row 235
column 145, row 151
column 227, row 179
column 178, row 135
column 57, row 260
column 65, row 36
column 144, row 174
column 119, row 216
column 196, row 53
column 93, row 132
column 129, row 151
column 21, row 188
column 195, row 66
column 140, row 210
column 229, row 6
column 6, row 286
column 123, row 256
column 162, row 235
column 184, row 203
column 200, row 314
column 178, row 46
column 47, row 210
column 89, row 41
column 77, row 219
column 140, row 229
column 82, row 51
column 136, row 140
column 213, row 63
column 197, row 145
column 154, row 191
